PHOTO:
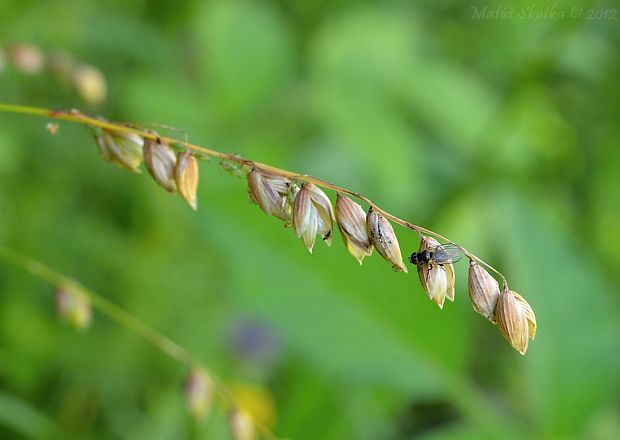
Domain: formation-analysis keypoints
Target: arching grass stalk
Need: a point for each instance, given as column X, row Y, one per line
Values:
column 198, row 395
column 77, row 116
column 298, row 200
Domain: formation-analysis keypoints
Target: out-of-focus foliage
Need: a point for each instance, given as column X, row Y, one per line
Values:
column 501, row 133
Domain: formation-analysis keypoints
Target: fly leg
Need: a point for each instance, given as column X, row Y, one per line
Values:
column 428, row 273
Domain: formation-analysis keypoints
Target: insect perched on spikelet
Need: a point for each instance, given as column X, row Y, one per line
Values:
column 437, row 277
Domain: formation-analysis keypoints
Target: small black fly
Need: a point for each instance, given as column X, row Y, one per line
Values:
column 442, row 254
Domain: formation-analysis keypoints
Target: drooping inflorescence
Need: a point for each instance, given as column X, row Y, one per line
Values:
column 300, row 202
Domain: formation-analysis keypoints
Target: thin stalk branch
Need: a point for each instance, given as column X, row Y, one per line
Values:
column 126, row 320
column 79, row 117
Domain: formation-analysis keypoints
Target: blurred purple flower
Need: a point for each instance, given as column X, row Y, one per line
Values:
column 255, row 342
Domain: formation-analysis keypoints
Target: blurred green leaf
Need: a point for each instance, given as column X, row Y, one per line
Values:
column 24, row 419
column 571, row 368
column 245, row 55
column 500, row 133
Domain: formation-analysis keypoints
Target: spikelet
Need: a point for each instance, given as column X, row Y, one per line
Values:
column 436, row 279
column 312, row 215
column 186, row 175
column 351, row 220
column 529, row 315
column 160, row 160
column 241, row 425
column 27, row 58
column 90, row 83
column 271, row 193
column 199, row 392
column 511, row 314
column 384, row 239
column 483, row 291
column 73, row 306
column 121, row 148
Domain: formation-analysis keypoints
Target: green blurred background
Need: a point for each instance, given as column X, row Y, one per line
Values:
column 500, row 132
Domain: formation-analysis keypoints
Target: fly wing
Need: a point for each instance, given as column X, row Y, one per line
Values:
column 447, row 253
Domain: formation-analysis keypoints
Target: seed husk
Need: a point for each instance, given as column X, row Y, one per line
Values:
column 160, row 160
column 512, row 320
column 529, row 314
column 186, row 175
column 271, row 193
column 483, row 291
column 435, row 282
column 312, row 215
column 436, row 279
column 325, row 212
column 384, row 239
column 351, row 220
column 121, row 148
column 305, row 219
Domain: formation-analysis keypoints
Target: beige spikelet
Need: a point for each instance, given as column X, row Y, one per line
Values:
column 73, row 306
column 271, row 193
column 121, row 148
column 351, row 220
column 324, row 210
column 436, row 279
column 384, row 239
column 90, row 83
column 186, row 175
column 512, row 320
column 160, row 160
column 483, row 291
column 241, row 425
column 529, row 314
column 199, row 392
column 312, row 215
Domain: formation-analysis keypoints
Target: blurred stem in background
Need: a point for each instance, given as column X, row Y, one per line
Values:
column 133, row 324
column 470, row 400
